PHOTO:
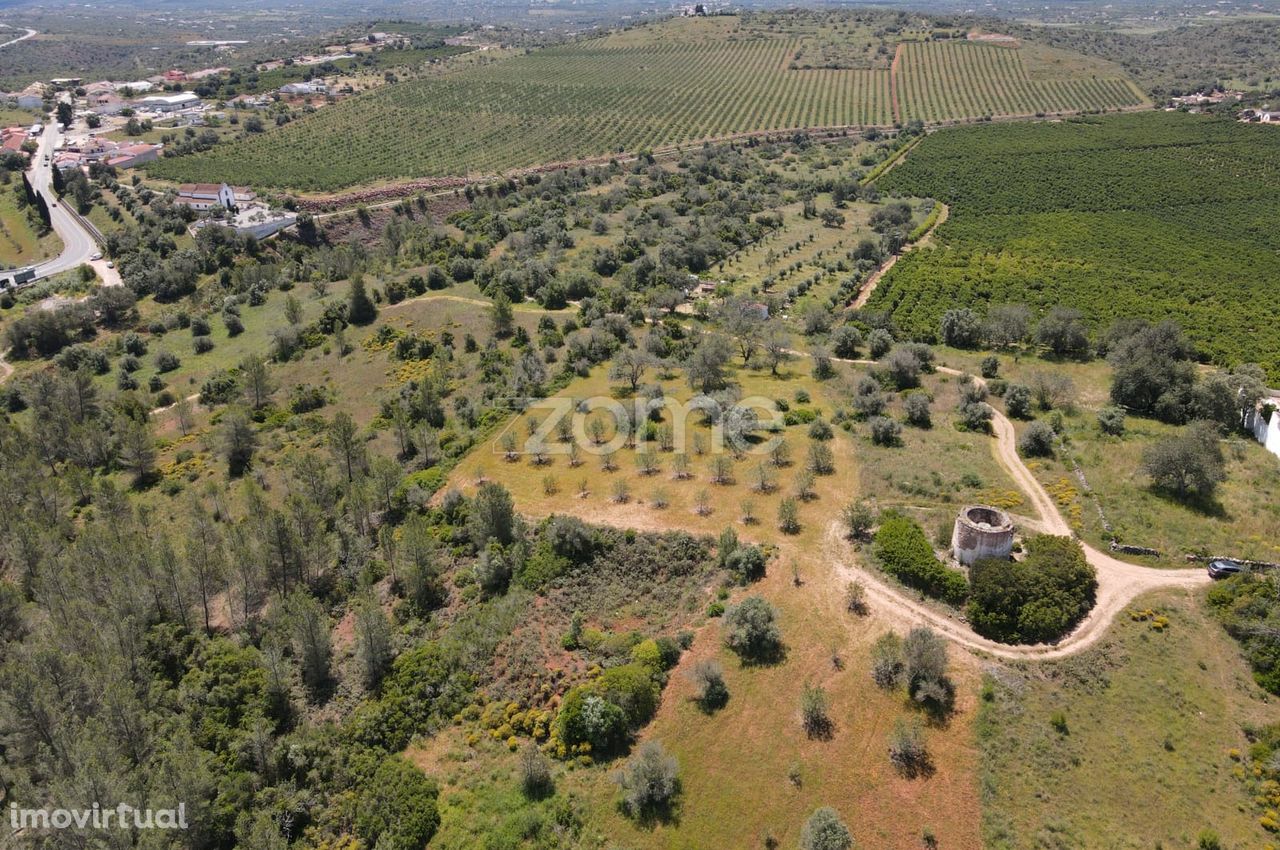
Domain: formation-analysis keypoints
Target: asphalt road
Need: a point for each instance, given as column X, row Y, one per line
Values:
column 78, row 245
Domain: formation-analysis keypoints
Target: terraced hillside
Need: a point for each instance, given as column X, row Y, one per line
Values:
column 678, row 82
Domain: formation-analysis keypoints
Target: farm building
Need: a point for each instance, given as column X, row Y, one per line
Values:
column 127, row 156
column 106, row 103
column 169, row 102
column 205, row 196
column 304, row 88
column 32, row 97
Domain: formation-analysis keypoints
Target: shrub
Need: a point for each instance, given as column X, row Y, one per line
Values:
column 858, row 519
column 1111, row 421
column 586, row 717
column 903, row 368
column 708, row 680
column 535, row 773
column 917, row 409
column 879, row 342
column 907, row 749
column 788, row 516
column 845, row 342
column 134, row 344
column 1037, row 440
column 1034, row 600
column 813, row 711
column 1188, row 462
column 752, row 630
column 975, row 416
column 903, row 551
column 307, row 397
column 167, row 361
column 885, row 431
column 825, row 831
column 990, row 366
column 202, row 344
column 650, row 781
column 1017, row 401
column 397, row 810
column 886, row 660
column 747, row 563
column 820, row 429
column 924, row 668
column 855, row 597
column 631, row 688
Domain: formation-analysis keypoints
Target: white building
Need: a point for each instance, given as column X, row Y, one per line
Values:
column 305, row 88
column 205, row 196
column 169, row 102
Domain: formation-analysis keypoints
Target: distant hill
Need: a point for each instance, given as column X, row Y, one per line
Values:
column 680, row 81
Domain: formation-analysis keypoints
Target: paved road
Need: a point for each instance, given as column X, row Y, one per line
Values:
column 78, row 245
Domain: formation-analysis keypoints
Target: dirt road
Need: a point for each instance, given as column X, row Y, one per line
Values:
column 1119, row 582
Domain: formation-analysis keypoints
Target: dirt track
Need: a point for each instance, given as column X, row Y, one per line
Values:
column 1119, row 582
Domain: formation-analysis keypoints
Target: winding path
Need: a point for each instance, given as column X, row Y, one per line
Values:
column 28, row 34
column 1119, row 582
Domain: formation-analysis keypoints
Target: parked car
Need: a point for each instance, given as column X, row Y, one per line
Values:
column 97, row 255
column 1224, row 567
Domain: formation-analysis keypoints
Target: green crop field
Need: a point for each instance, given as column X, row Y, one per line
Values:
column 674, row 83
column 946, row 80
column 1157, row 215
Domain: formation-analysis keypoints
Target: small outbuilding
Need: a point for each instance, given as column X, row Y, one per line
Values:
column 981, row 531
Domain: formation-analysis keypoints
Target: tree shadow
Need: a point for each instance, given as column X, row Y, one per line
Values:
column 651, row 817
column 819, row 728
column 1199, row 503
column 919, row 767
column 711, row 703
column 769, row 656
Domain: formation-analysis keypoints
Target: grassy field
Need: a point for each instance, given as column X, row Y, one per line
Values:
column 1241, row 520
column 962, row 467
column 1155, row 215
column 1148, row 719
column 20, row 244
column 736, row 765
column 676, row 82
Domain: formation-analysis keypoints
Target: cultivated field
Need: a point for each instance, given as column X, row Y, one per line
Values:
column 1154, row 215
column 651, row 87
column 946, row 80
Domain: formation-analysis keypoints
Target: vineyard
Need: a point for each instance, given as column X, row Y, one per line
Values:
column 650, row 87
column 1157, row 215
column 943, row 80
